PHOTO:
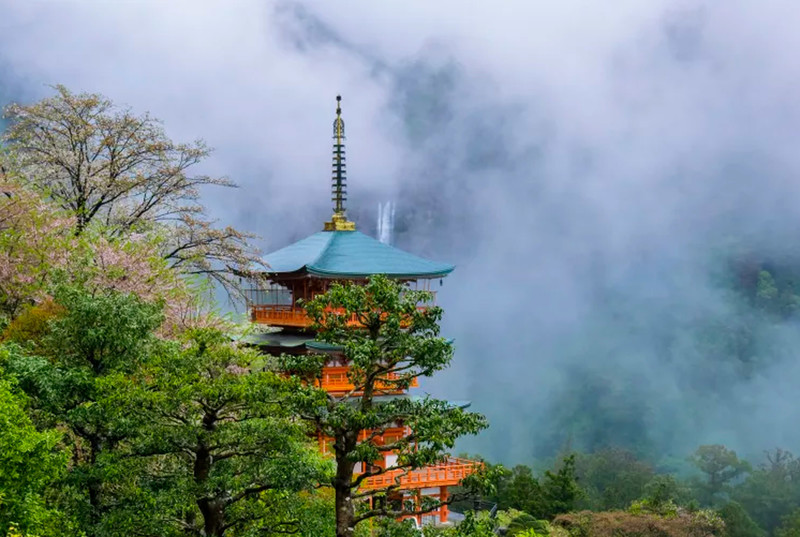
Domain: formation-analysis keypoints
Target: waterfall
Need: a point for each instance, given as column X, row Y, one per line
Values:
column 386, row 222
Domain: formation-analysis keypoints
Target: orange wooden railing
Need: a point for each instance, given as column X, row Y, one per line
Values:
column 441, row 475
column 334, row 379
column 280, row 315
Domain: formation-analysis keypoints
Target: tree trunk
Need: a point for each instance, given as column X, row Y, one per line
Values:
column 345, row 511
column 212, row 508
column 213, row 516
column 345, row 514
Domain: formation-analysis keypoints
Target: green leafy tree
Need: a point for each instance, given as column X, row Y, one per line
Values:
column 87, row 355
column 738, row 523
column 612, row 478
column 665, row 490
column 520, row 490
column 790, row 525
column 30, row 463
column 560, row 488
column 393, row 343
column 772, row 490
column 557, row 491
column 720, row 466
column 224, row 454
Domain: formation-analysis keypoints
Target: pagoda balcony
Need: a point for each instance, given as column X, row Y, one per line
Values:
column 446, row 474
column 279, row 315
column 335, row 380
column 290, row 316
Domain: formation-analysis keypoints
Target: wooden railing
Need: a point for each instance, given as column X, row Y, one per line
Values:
column 440, row 475
column 334, row 380
column 279, row 315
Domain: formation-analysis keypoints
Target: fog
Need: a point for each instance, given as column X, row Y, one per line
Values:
column 591, row 168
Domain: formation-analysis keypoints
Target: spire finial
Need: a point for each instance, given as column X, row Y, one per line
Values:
column 339, row 220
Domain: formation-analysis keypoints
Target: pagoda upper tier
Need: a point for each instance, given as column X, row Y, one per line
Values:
column 349, row 255
column 308, row 267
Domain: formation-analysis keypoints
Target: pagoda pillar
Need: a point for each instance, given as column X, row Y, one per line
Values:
column 443, row 511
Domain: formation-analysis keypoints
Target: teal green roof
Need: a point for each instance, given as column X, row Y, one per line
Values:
column 351, row 254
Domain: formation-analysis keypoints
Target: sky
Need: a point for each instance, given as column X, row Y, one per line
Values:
column 585, row 165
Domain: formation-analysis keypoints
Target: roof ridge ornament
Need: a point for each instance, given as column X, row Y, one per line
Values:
column 339, row 221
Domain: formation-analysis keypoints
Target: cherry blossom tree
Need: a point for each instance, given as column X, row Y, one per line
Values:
column 38, row 247
column 104, row 164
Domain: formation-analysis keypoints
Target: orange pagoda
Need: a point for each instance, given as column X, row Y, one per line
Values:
column 307, row 268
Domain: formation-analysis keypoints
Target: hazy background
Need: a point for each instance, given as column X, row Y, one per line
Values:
column 591, row 167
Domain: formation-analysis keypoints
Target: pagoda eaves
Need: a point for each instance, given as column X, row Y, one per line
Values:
column 350, row 255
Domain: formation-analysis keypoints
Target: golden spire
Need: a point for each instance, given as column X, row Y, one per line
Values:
column 339, row 221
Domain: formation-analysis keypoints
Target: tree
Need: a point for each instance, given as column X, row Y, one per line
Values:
column 393, row 343
column 30, row 462
column 34, row 242
column 521, row 490
column 790, row 525
column 556, row 492
column 665, row 491
column 612, row 478
column 721, row 466
column 88, row 354
column 104, row 164
column 39, row 251
column 222, row 449
column 560, row 488
column 772, row 490
column 738, row 523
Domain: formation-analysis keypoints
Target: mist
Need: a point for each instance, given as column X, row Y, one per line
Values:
column 597, row 172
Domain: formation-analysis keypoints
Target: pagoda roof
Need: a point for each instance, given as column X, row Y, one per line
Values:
column 350, row 254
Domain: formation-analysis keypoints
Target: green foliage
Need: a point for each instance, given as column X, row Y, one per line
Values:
column 221, row 448
column 665, row 509
column 520, row 490
column 556, row 492
column 31, row 324
column 663, row 489
column 790, row 525
column 388, row 527
column 75, row 386
column 720, row 466
column 517, row 523
column 612, row 478
column 30, row 463
column 473, row 525
column 772, row 490
column 560, row 488
column 738, row 523
column 104, row 332
column 392, row 343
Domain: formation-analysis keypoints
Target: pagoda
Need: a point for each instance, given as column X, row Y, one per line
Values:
column 337, row 254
